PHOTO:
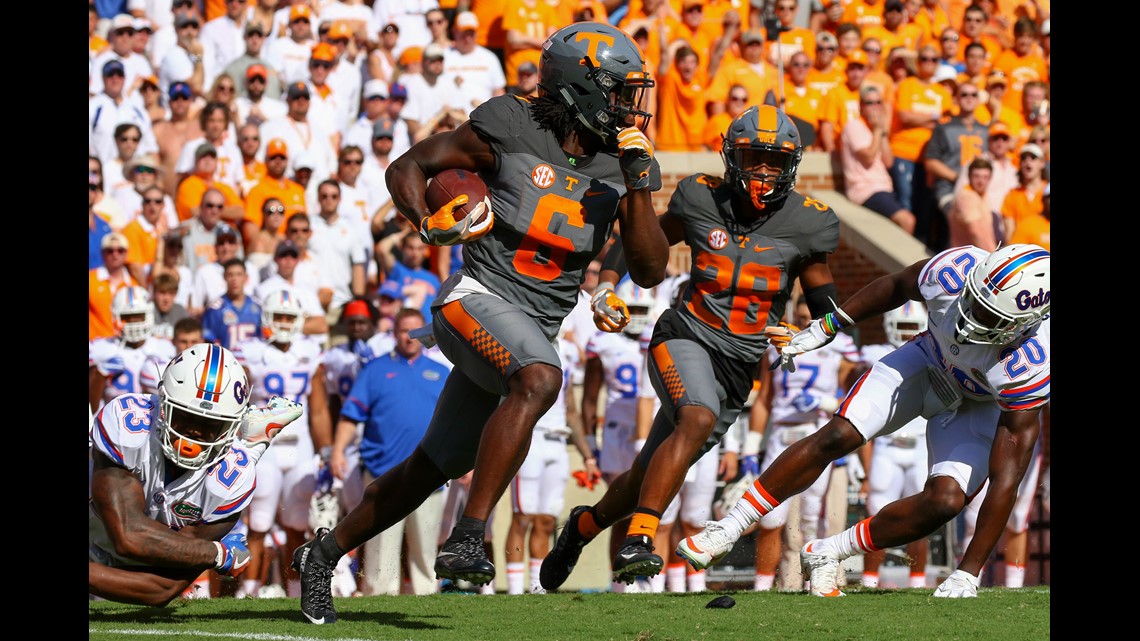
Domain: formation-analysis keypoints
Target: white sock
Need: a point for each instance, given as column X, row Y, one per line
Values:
column 657, row 583
column 676, row 577
column 763, row 582
column 1014, row 576
column 515, row 578
column 854, row 540
column 917, row 580
column 535, row 583
column 746, row 512
column 870, row 579
column 697, row 581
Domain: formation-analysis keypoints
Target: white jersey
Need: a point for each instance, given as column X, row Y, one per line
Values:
column 341, row 367
column 131, row 370
column 817, row 373
column 273, row 372
column 122, row 432
column 622, row 362
column 554, row 420
column 1016, row 376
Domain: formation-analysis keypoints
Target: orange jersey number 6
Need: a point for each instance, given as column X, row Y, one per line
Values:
column 539, row 235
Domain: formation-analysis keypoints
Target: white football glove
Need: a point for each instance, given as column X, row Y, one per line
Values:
column 261, row 424
column 610, row 312
column 814, row 336
column 959, row 585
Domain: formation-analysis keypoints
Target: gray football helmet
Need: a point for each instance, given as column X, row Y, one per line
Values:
column 762, row 135
column 586, row 63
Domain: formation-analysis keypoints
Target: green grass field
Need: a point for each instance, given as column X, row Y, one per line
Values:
column 997, row 614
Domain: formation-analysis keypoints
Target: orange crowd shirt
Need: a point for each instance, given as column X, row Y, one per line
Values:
column 919, row 96
column 290, row 193
column 1019, row 70
column 681, row 115
column 190, row 195
column 535, row 22
column 100, row 292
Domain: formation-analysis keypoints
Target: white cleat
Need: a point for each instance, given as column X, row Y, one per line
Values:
column 959, row 585
column 706, row 547
column 822, row 569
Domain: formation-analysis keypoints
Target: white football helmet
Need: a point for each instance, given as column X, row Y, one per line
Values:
column 639, row 301
column 277, row 303
column 131, row 301
column 203, row 396
column 1005, row 294
column 905, row 322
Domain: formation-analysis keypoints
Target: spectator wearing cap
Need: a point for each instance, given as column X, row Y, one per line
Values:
column 1005, row 174
column 478, row 69
column 946, row 76
column 216, row 121
column 97, row 228
column 345, row 76
column 681, row 99
column 251, row 56
column 749, row 71
column 376, row 163
column 408, row 15
column 151, row 97
column 431, row 92
column 257, row 106
column 919, row 105
column 121, row 36
column 410, row 62
column 290, row 56
column 341, row 251
column 102, row 283
column 329, row 107
column 843, row 103
column 356, row 197
column 389, row 302
column 527, row 24
column 375, row 94
column 971, row 30
column 528, row 81
column 231, row 315
column 286, row 257
column 193, row 187
column 1024, row 200
column 302, row 132
column 896, row 29
column 865, row 156
column 274, row 185
column 111, row 108
column 165, row 34
column 143, row 172
column 191, row 59
column 301, row 168
column 226, row 32
column 826, row 73
column 171, row 134
column 140, row 42
column 793, row 37
column 382, row 60
column 995, row 109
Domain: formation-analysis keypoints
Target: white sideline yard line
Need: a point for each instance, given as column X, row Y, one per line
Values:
column 256, row 636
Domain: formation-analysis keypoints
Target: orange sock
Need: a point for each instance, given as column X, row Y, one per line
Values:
column 644, row 522
column 587, row 526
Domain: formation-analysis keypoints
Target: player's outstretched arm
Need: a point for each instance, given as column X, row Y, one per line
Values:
column 150, row 586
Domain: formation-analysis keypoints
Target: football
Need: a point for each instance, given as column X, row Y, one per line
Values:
column 448, row 184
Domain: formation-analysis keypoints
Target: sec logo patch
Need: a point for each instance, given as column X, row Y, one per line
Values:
column 718, row 238
column 542, row 176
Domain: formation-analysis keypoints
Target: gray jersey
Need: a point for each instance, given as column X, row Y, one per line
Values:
column 741, row 282
column 551, row 216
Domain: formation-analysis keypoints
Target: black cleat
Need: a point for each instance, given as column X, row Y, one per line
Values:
column 636, row 558
column 558, row 565
column 316, row 581
column 464, row 559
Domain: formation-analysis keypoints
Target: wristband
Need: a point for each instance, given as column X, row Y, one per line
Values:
column 752, row 443
column 591, row 460
column 601, row 288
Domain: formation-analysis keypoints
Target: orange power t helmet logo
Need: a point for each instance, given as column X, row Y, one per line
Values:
column 593, row 39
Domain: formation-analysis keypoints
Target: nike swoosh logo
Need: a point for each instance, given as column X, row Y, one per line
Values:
column 761, row 249
column 442, row 553
column 628, row 556
column 590, row 193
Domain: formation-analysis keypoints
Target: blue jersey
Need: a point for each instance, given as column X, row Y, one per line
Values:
column 405, row 275
column 227, row 325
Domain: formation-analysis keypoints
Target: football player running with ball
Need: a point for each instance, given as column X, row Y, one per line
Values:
column 561, row 168
column 751, row 236
column 979, row 375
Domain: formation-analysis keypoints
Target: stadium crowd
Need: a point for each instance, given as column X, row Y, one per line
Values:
column 237, row 159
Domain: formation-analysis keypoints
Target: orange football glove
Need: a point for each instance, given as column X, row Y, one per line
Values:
column 585, row 479
column 442, row 229
column 780, row 335
column 610, row 312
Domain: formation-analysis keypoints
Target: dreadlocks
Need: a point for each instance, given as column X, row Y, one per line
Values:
column 553, row 115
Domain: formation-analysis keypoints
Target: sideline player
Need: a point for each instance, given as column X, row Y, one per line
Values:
column 980, row 376
column 751, row 236
column 170, row 482
column 131, row 363
column 562, row 168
